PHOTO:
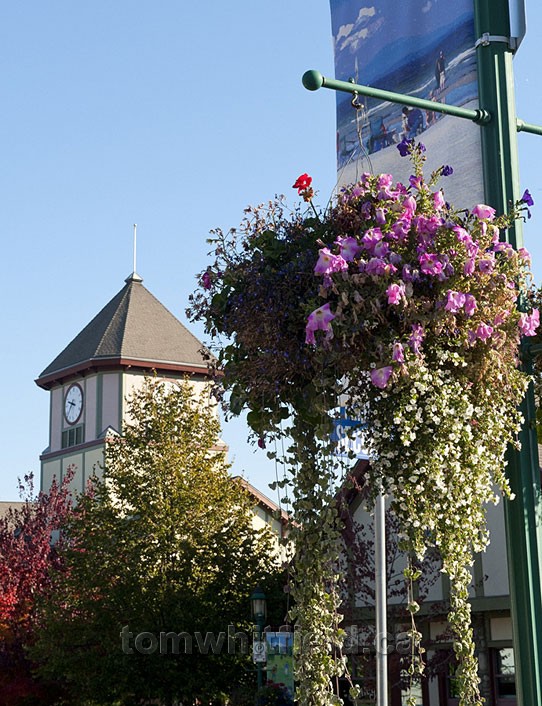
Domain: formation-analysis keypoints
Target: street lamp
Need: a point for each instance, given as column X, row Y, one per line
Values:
column 259, row 613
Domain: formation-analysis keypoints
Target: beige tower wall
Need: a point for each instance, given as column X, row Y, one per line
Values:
column 111, row 400
column 55, row 429
column 91, row 402
column 50, row 470
column 85, row 463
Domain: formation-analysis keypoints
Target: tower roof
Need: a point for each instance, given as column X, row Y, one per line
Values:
column 134, row 329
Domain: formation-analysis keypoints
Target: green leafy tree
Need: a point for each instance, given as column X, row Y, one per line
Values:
column 163, row 544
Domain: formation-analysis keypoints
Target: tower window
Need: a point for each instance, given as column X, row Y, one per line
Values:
column 72, row 436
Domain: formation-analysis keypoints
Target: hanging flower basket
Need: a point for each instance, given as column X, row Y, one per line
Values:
column 410, row 311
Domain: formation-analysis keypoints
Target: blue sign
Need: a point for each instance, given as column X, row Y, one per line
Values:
column 350, row 437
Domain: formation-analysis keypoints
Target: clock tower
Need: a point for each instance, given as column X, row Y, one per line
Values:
column 133, row 336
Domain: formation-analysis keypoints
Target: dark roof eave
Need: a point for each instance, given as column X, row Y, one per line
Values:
column 57, row 377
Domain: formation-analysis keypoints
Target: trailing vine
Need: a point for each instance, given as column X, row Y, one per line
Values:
column 407, row 309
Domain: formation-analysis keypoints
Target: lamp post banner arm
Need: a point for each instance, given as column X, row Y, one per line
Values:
column 313, row 80
column 522, row 126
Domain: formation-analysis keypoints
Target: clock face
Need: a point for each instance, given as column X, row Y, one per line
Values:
column 73, row 403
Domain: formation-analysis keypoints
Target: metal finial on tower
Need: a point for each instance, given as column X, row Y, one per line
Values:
column 134, row 277
column 135, row 246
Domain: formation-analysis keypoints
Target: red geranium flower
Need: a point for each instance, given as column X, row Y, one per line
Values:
column 302, row 182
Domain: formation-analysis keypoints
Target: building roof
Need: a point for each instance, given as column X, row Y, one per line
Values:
column 262, row 500
column 6, row 506
column 134, row 329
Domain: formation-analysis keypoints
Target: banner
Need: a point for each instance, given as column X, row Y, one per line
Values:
column 421, row 48
column 280, row 660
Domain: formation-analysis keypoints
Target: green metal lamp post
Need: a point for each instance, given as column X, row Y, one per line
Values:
column 523, row 515
column 259, row 613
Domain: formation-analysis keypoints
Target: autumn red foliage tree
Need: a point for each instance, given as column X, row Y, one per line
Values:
column 30, row 539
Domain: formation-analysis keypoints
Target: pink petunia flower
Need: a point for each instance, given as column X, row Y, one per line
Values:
column 495, row 234
column 349, row 248
column 525, row 255
column 381, row 376
column 438, row 200
column 409, row 204
column 469, row 266
column 328, row 263
column 462, row 235
column 528, row 323
column 319, row 320
column 486, row 265
column 483, row 331
column 470, row 304
column 501, row 317
column 384, row 180
column 483, row 211
column 399, row 230
column 430, row 264
column 454, row 301
column 395, row 293
column 378, row 266
column 371, row 238
column 380, row 216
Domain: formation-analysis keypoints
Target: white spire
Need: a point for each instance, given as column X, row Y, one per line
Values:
column 134, row 277
column 135, row 247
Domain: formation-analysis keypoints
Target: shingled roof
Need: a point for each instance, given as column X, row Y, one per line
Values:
column 134, row 329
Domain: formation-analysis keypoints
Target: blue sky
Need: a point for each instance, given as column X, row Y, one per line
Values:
column 174, row 116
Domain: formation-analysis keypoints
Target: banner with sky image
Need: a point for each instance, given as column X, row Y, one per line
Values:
column 422, row 48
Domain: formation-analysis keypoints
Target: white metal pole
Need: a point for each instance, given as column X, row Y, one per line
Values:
column 381, row 603
column 135, row 246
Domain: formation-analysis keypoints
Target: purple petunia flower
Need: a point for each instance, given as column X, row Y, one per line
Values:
column 206, row 280
column 415, row 181
column 416, row 338
column 378, row 266
column 380, row 376
column 405, row 147
column 380, row 216
column 527, row 198
column 398, row 355
column 447, row 170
